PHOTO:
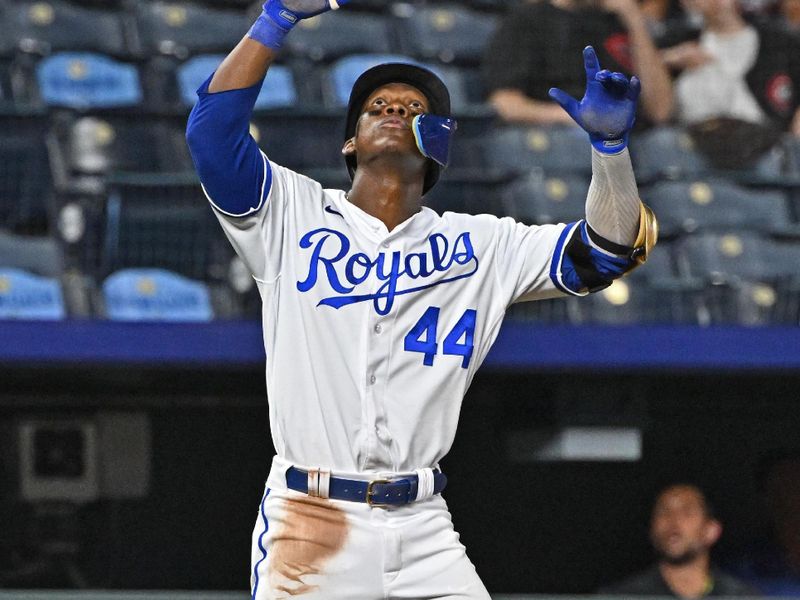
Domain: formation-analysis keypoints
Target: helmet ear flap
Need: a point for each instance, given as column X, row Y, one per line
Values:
column 433, row 135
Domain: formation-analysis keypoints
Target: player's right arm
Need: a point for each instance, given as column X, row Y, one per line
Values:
column 234, row 172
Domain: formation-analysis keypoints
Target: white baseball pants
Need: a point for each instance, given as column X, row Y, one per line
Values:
column 314, row 549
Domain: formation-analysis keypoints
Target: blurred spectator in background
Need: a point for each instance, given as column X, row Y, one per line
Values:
column 772, row 563
column 667, row 19
column 737, row 84
column 683, row 529
column 538, row 46
column 790, row 13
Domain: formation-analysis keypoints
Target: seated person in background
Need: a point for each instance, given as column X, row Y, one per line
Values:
column 772, row 563
column 682, row 531
column 538, row 45
column 738, row 84
column 790, row 15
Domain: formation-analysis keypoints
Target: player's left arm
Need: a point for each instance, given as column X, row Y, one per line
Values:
column 619, row 230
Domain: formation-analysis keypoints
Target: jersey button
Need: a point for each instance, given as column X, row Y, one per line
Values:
column 372, row 379
column 378, row 328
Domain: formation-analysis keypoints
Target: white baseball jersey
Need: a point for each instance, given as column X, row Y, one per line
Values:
column 372, row 337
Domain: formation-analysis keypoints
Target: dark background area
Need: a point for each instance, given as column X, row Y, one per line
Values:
column 528, row 527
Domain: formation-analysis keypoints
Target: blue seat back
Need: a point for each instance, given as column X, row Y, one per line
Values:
column 344, row 73
column 278, row 90
column 85, row 80
column 155, row 295
column 27, row 296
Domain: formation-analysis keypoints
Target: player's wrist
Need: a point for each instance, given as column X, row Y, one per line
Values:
column 604, row 145
column 273, row 24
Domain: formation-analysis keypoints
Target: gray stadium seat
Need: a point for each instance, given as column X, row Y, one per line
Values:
column 629, row 302
column 685, row 206
column 736, row 255
column 540, row 199
column 445, row 32
column 666, row 153
column 183, row 29
column 333, row 35
column 554, row 150
column 51, row 26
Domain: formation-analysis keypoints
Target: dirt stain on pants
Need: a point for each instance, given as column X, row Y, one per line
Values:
column 313, row 531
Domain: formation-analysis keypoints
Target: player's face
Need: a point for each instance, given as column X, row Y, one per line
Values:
column 385, row 124
column 680, row 528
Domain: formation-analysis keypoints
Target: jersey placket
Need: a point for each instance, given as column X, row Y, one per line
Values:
column 378, row 352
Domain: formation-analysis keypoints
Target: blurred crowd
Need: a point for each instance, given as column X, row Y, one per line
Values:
column 727, row 70
column 101, row 215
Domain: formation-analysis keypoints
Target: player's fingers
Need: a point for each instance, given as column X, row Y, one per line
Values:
column 567, row 102
column 590, row 63
column 634, row 89
column 619, row 79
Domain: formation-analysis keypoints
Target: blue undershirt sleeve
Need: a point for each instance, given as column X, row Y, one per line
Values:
column 235, row 174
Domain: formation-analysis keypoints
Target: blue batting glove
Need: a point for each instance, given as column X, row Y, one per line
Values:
column 608, row 108
column 279, row 16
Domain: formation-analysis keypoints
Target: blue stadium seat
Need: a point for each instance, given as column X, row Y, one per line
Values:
column 183, row 29
column 155, row 295
column 337, row 34
column 27, row 296
column 554, row 150
column 30, row 268
column 87, row 81
column 538, row 199
column 685, row 206
column 344, row 72
column 278, row 90
column 53, row 25
column 666, row 153
column 447, row 32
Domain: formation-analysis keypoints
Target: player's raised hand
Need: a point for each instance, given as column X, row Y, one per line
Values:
column 608, row 108
column 279, row 16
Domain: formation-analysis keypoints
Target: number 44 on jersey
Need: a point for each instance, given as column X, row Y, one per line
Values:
column 459, row 342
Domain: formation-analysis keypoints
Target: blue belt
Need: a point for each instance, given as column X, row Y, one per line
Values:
column 378, row 492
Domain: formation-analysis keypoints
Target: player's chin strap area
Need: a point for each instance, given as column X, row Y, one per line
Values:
column 433, row 135
column 425, row 483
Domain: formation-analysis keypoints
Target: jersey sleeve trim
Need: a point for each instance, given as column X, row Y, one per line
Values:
column 557, row 263
column 266, row 186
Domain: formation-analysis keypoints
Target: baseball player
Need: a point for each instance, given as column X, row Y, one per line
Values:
column 377, row 311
